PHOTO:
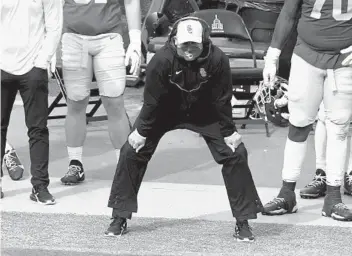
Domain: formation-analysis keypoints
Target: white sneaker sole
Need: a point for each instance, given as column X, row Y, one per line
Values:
column 281, row 211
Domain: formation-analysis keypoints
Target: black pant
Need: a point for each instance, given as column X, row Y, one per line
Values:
column 244, row 200
column 33, row 88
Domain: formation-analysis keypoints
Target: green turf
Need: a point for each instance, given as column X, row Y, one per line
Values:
column 56, row 234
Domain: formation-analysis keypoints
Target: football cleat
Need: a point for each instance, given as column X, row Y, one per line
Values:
column 339, row 211
column 283, row 204
column 348, row 183
column 316, row 188
column 75, row 173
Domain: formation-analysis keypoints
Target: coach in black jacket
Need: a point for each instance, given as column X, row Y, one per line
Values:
column 188, row 86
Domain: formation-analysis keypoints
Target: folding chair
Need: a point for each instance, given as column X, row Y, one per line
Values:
column 229, row 32
column 63, row 95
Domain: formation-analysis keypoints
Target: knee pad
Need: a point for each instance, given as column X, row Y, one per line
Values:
column 299, row 134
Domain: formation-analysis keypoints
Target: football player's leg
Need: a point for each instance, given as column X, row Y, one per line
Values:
column 348, row 174
column 129, row 174
column 77, row 74
column 338, row 105
column 110, row 72
column 242, row 193
column 317, row 187
column 8, row 93
column 305, row 95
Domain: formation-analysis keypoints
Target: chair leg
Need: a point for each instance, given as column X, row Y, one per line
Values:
column 97, row 104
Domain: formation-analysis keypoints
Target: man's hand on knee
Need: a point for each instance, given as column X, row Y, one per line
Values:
column 233, row 140
column 136, row 140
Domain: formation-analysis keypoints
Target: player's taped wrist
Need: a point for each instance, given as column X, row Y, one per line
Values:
column 135, row 36
column 135, row 40
column 272, row 56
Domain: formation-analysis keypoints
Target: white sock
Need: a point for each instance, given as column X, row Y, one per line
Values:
column 8, row 147
column 117, row 151
column 320, row 145
column 336, row 153
column 349, row 158
column 294, row 155
column 75, row 153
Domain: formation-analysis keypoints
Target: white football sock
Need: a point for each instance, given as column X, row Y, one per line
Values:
column 75, row 153
column 294, row 155
column 336, row 153
column 349, row 158
column 320, row 145
column 8, row 147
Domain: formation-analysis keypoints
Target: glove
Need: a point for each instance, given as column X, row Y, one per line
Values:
column 270, row 66
column 282, row 102
column 136, row 140
column 233, row 141
column 348, row 60
column 134, row 51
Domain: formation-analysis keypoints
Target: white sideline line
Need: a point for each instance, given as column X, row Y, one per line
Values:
column 163, row 200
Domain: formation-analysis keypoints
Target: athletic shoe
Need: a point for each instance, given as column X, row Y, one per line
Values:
column 348, row 184
column 282, row 204
column 339, row 211
column 42, row 195
column 75, row 173
column 13, row 165
column 243, row 232
column 118, row 227
column 316, row 188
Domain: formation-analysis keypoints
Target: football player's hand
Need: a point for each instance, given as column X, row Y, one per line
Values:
column 233, row 141
column 269, row 75
column 270, row 66
column 136, row 140
column 348, row 60
column 133, row 55
column 52, row 66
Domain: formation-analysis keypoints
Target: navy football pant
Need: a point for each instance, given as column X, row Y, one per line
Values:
column 242, row 194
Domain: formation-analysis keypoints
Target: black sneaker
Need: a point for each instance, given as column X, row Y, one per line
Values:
column 13, row 165
column 243, row 232
column 339, row 211
column 316, row 188
column 42, row 196
column 348, row 184
column 282, row 204
column 118, row 227
column 75, row 173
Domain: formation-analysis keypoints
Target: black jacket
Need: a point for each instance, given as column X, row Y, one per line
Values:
column 177, row 91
